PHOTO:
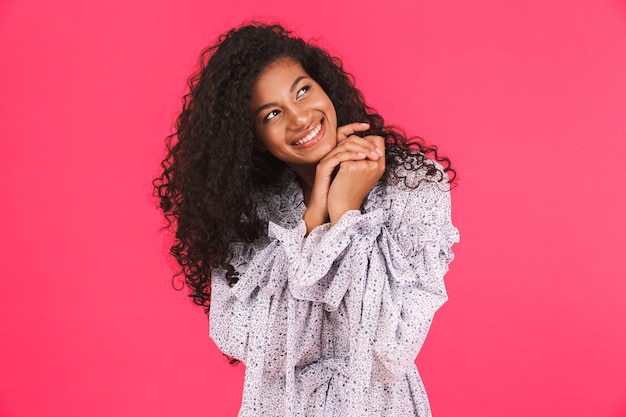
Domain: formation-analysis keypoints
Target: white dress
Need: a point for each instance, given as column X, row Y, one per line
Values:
column 330, row 324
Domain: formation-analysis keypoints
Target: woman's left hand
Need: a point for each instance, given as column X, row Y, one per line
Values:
column 354, row 181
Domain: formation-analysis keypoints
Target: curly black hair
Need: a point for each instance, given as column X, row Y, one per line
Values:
column 212, row 166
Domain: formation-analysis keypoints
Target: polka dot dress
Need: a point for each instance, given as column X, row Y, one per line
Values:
column 330, row 324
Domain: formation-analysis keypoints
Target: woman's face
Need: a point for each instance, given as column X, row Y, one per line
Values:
column 293, row 118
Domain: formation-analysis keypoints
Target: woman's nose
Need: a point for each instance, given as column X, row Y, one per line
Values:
column 299, row 117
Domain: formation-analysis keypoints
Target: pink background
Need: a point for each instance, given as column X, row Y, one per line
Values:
column 527, row 98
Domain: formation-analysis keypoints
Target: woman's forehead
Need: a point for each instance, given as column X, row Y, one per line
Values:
column 282, row 74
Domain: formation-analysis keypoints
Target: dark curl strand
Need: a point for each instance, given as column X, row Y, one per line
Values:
column 212, row 167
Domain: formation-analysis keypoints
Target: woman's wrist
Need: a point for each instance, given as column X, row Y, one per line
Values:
column 336, row 213
column 314, row 217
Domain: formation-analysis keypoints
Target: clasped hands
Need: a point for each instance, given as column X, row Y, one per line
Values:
column 360, row 163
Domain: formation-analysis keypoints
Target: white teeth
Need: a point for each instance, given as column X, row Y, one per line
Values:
column 309, row 136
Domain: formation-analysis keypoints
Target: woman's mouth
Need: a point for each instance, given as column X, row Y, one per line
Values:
column 312, row 137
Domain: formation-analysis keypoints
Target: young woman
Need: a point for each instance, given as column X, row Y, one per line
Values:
column 318, row 235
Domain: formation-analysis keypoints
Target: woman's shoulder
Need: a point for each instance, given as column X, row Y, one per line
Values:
column 406, row 185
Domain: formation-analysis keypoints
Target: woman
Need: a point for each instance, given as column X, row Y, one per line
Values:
column 318, row 235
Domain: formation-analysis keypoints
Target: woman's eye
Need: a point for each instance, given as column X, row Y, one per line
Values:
column 303, row 91
column 272, row 114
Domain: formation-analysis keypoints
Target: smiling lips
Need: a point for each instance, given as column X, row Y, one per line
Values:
column 308, row 139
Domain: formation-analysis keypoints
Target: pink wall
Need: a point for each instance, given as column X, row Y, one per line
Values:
column 527, row 98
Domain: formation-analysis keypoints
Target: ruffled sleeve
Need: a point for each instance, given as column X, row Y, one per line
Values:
column 388, row 265
column 411, row 259
column 316, row 272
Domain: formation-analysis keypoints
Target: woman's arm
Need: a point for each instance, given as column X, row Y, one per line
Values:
column 415, row 257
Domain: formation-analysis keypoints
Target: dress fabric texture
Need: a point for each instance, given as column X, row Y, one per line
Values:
column 330, row 324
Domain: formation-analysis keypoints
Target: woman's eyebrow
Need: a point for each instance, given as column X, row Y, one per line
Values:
column 295, row 83
column 263, row 107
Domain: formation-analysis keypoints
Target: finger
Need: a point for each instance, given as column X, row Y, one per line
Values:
column 338, row 157
column 375, row 145
column 361, row 147
column 378, row 141
column 346, row 130
column 327, row 165
column 380, row 144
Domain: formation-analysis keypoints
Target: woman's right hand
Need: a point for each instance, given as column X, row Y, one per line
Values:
column 349, row 148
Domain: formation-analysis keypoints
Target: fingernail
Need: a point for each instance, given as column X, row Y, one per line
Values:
column 361, row 154
column 379, row 152
column 364, row 124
